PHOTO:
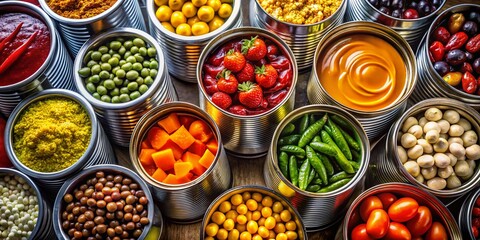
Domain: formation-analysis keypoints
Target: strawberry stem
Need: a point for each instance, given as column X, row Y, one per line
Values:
column 260, row 70
column 247, row 44
column 246, row 86
column 231, row 51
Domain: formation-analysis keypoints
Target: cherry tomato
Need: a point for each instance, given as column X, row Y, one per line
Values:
column 398, row 231
column 378, row 223
column 387, row 199
column 422, row 221
column 436, row 232
column 4, row 161
column 403, row 209
column 355, row 217
column 360, row 233
column 369, row 204
column 475, row 231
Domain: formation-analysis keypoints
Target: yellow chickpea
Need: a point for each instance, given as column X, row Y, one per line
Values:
column 168, row 26
column 279, row 228
column 261, row 221
column 177, row 18
column 225, row 10
column 211, row 229
column 161, row 2
column 215, row 4
column 216, row 23
column 270, row 223
column 266, row 212
column 209, row 238
column 163, row 13
column 190, row 22
column 291, row 226
column 257, row 237
column 259, row 207
column 218, row 217
column 199, row 3
column 257, row 196
column 277, row 217
column 236, row 199
column 189, row 10
column 222, row 234
column 224, row 206
column 263, row 232
column 277, row 207
column 206, row 14
column 234, row 234
column 252, row 226
column 232, row 214
column 249, row 215
column 241, row 219
column 184, row 30
column 281, row 236
column 252, row 204
column 226, row 1
column 229, row 224
column 291, row 235
column 175, row 5
column 245, row 236
column 246, row 196
column 256, row 215
column 285, row 215
column 267, row 201
column 271, row 234
column 242, row 209
column 200, row 28
column 241, row 227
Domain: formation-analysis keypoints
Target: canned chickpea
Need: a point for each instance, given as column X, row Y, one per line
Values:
column 300, row 12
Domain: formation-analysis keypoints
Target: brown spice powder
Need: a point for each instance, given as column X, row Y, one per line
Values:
column 79, row 9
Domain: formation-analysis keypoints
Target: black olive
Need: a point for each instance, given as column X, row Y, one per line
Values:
column 476, row 65
column 441, row 67
column 474, row 16
column 413, row 4
column 384, row 10
column 385, row 3
column 397, row 4
column 470, row 28
column 469, row 56
column 397, row 13
column 374, row 3
column 456, row 57
column 436, row 3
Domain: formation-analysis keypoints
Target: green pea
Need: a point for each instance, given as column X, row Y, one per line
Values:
column 138, row 57
column 103, row 49
column 116, row 55
column 143, row 88
column 106, row 67
column 120, row 39
column 153, row 73
column 104, row 75
column 115, row 92
column 91, row 87
column 117, row 81
column 113, row 61
column 134, row 49
column 148, row 80
column 120, row 73
column 132, row 86
column 142, row 51
column 131, row 59
column 106, row 57
column 94, row 79
column 128, row 44
column 115, row 99
column 145, row 72
column 138, row 42
column 125, row 82
column 153, row 64
column 87, row 56
column 96, row 95
column 109, row 84
column 140, row 80
column 96, row 55
column 122, row 50
column 137, row 66
column 115, row 45
column 124, row 97
column 96, row 69
column 84, row 72
column 152, row 52
column 91, row 63
column 127, row 54
column 106, row 98
column 111, row 76
column 124, row 90
column 122, row 62
column 132, row 75
column 101, row 90
column 146, row 64
column 135, row 95
column 127, row 66
column 115, row 69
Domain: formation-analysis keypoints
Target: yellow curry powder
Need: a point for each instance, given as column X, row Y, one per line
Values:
column 78, row 9
column 52, row 134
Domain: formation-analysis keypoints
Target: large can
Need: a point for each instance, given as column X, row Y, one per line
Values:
column 430, row 83
column 375, row 122
column 410, row 29
column 99, row 150
column 465, row 214
column 119, row 119
column 55, row 72
column 43, row 228
column 187, row 202
column 75, row 32
column 386, row 166
column 182, row 52
column 301, row 38
column 318, row 210
column 247, row 135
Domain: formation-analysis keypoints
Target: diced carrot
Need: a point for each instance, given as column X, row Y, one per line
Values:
column 157, row 137
column 200, row 130
column 145, row 144
column 193, row 158
column 186, row 120
column 150, row 169
column 170, row 123
column 145, row 156
column 212, row 145
column 207, row 159
column 182, row 168
column 182, row 138
column 183, row 179
column 177, row 151
column 164, row 159
column 198, row 147
column 159, row 175
column 189, row 175
column 171, row 179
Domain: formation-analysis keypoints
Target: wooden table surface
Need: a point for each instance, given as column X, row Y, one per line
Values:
column 245, row 171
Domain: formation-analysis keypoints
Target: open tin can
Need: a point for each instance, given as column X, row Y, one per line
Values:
column 465, row 214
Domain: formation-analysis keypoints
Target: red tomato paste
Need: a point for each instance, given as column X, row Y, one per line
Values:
column 31, row 60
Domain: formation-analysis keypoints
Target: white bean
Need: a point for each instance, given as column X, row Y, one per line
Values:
column 410, row 121
column 412, row 168
column 453, row 182
column 453, row 159
column 426, row 161
column 422, row 121
column 408, row 140
column 433, row 114
column 415, row 152
column 444, row 125
column 445, row 172
column 427, row 147
column 402, row 154
column 441, row 160
column 416, row 130
column 471, row 164
column 432, row 136
column 443, row 135
column 465, row 124
column 429, row 173
column 431, row 126
column 473, row 152
column 455, row 130
column 451, row 116
column 455, row 140
column 457, row 150
column 437, row 183
column 420, row 178
column 441, row 146
column 469, row 138
column 461, row 168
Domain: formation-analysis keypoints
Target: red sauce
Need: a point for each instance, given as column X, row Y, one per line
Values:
column 33, row 57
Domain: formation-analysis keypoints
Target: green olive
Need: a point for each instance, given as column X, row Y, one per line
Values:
column 109, row 84
column 143, row 88
column 91, row 87
column 115, row 99
column 135, row 95
column 124, row 97
column 131, row 59
column 104, row 75
column 134, row 49
column 124, row 90
column 106, row 57
column 96, row 55
column 106, row 66
column 96, row 95
column 101, row 90
column 84, row 72
column 138, row 42
column 140, row 80
column 145, row 72
column 132, row 86
column 115, row 69
column 137, row 66
column 142, row 51
column 146, row 64
column 113, row 61
column 127, row 54
column 122, row 50
column 115, row 45
column 111, row 52
column 115, row 92
column 132, row 75
column 138, row 57
column 91, row 63
column 153, row 64
column 117, row 81
column 153, row 73
column 128, row 44
column 103, row 49
column 87, row 56
column 152, row 52
column 148, row 80
column 116, row 55
column 94, row 79
column 127, row 66
column 96, row 69
column 120, row 73
column 106, row 98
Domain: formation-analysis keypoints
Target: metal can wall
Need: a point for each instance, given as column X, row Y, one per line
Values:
column 465, row 214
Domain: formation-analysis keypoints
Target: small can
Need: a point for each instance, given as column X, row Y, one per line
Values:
column 187, row 202
column 55, row 72
column 75, row 32
column 465, row 214
column 318, row 210
column 99, row 150
column 119, row 119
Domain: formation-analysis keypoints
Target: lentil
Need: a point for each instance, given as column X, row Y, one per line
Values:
column 300, row 11
column 79, row 9
column 51, row 134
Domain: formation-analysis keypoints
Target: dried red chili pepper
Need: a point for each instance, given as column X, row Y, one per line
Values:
column 437, row 50
column 10, row 37
column 17, row 53
column 469, row 85
column 473, row 45
column 441, row 34
column 456, row 41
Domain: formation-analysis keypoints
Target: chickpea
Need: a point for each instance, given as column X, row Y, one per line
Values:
column 183, row 29
column 425, row 161
column 216, row 23
column 252, row 226
column 432, row 136
column 473, row 152
column 469, row 138
column 245, row 236
column 409, row 122
column 225, row 206
column 462, row 169
column 222, row 234
column 257, row 237
column 412, row 168
column 234, row 234
column 443, row 135
column 285, row 215
column 445, row 172
column 433, row 114
column 225, row 10
column 457, row 150
column 189, row 10
column 402, row 154
column 441, row 146
column 211, row 229
column 277, row 207
column 257, row 197
column 241, row 219
column 266, row 212
column 455, row 130
column 232, row 214
column 429, row 173
column 427, row 147
column 416, row 130
column 441, row 160
column 267, row 201
column 291, row 235
column 408, row 140
column 177, row 18
column 256, row 215
column 229, row 224
column 168, row 26
column 431, row 126
column 199, row 3
column 175, row 5
column 263, row 232
column 215, row 4
column 453, row 182
column 218, row 217
column 422, row 121
column 205, row 13
column 236, row 199
column 252, row 204
column 453, row 159
column 466, row 125
column 420, row 178
column 270, row 223
column 451, row 116
column 241, row 227
column 164, row 13
column 455, row 140
column 291, row 225
column 261, row 221
column 437, row 183
column 415, row 152
column 444, row 125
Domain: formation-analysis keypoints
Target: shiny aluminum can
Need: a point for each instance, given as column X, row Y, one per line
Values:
column 75, row 32
column 119, row 119
column 375, row 123
column 318, row 210
column 43, row 228
column 465, row 214
column 55, row 72
column 183, row 203
column 439, row 211
column 182, row 52
column 99, row 150
column 430, row 83
column 301, row 38
column 385, row 164
column 247, row 136
column 412, row 30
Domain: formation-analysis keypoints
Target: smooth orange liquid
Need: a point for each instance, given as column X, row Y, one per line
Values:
column 362, row 72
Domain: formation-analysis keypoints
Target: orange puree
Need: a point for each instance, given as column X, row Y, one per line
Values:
column 362, row 72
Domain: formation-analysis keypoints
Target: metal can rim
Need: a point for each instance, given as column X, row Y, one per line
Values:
column 408, row 20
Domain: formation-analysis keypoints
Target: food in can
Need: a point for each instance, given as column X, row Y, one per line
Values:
column 80, row 9
column 193, row 18
column 319, row 152
column 4, row 161
column 18, row 208
column 390, row 216
column 411, row 9
column 178, row 149
column 363, row 72
column 106, row 206
column 247, row 76
column 24, row 46
column 120, row 70
column 251, row 215
column 476, row 218
column 454, row 50
column 439, row 148
column 51, row 134
column 300, row 12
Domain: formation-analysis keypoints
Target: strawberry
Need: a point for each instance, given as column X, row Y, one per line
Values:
column 234, row 61
column 222, row 100
column 254, row 49
column 266, row 75
column 227, row 82
column 246, row 74
column 250, row 95
column 238, row 109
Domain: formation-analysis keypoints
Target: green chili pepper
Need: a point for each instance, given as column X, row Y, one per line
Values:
column 293, row 170
column 340, row 140
column 326, row 162
column 355, row 165
column 288, row 129
column 342, row 123
column 316, row 139
column 312, row 118
column 283, row 163
column 340, row 158
column 323, row 148
column 350, row 141
column 304, row 122
column 297, row 151
column 328, row 129
column 289, row 140
column 317, row 181
column 313, row 188
column 303, row 174
column 311, row 176
column 311, row 131
column 356, row 156
column 317, row 164
column 339, row 176
column 334, row 186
